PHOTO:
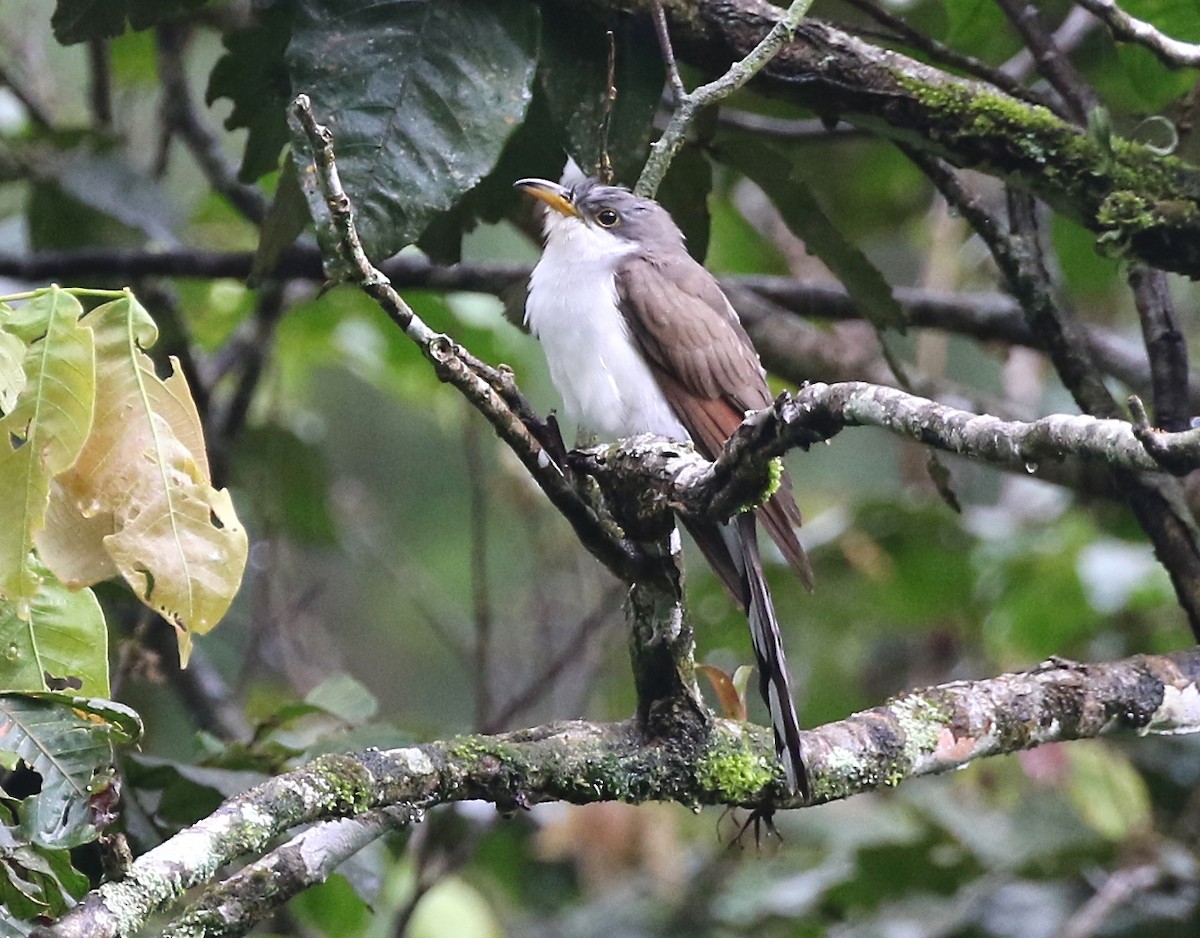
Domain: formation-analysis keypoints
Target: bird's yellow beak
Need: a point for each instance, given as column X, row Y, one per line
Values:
column 554, row 195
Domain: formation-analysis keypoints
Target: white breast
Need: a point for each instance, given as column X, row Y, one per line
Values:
column 605, row 384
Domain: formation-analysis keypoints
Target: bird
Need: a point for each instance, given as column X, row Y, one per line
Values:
column 640, row 338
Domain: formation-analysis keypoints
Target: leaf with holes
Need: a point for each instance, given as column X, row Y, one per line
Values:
column 68, row 742
column 143, row 475
column 44, row 431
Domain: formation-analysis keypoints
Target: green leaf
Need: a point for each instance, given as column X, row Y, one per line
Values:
column 252, row 75
column 286, row 483
column 574, row 76
column 79, row 20
column 285, row 220
column 44, row 433
column 63, row 642
column 68, row 742
column 494, row 198
column 420, row 95
column 345, row 698
column 12, row 367
column 773, row 170
column 1107, row 790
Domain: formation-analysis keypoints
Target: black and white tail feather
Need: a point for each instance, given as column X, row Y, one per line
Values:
column 773, row 684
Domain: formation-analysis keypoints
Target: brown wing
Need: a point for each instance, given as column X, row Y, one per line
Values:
column 706, row 366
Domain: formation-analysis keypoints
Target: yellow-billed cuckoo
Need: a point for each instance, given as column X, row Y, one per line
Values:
column 640, row 339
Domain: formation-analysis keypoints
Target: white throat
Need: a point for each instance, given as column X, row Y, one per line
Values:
column 605, row 384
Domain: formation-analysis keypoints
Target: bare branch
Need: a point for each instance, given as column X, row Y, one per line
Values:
column 1166, row 347
column 1159, row 504
column 919, row 733
column 947, row 55
column 1050, row 61
column 180, row 117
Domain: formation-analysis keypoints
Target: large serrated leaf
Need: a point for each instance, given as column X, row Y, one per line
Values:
column 63, row 644
column 420, row 96
column 143, row 473
column 44, row 432
column 68, row 742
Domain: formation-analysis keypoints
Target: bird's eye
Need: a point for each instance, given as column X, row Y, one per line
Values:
column 607, row 218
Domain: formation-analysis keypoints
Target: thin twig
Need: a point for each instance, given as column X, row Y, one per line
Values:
column 1171, row 52
column 678, row 92
column 610, row 102
column 540, row 683
column 1069, row 35
column 1158, row 503
column 664, row 149
column 983, row 316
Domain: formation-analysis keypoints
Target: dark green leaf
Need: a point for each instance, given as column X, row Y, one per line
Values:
column 574, row 76
column 146, row 13
column 79, row 20
column 420, row 96
column 525, row 154
column 252, row 75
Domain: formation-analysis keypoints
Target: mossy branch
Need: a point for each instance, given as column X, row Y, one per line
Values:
column 721, row 763
column 1138, row 202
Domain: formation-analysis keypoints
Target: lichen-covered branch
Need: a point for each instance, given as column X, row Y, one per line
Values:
column 649, row 473
column 491, row 391
column 1139, row 202
column 728, row 763
column 234, row 906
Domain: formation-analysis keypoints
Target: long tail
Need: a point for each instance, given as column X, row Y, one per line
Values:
column 733, row 553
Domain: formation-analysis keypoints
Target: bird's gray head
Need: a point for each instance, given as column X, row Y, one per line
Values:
column 613, row 210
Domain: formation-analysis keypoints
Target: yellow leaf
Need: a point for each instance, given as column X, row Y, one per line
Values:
column 43, row 432
column 72, row 543
column 143, row 473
